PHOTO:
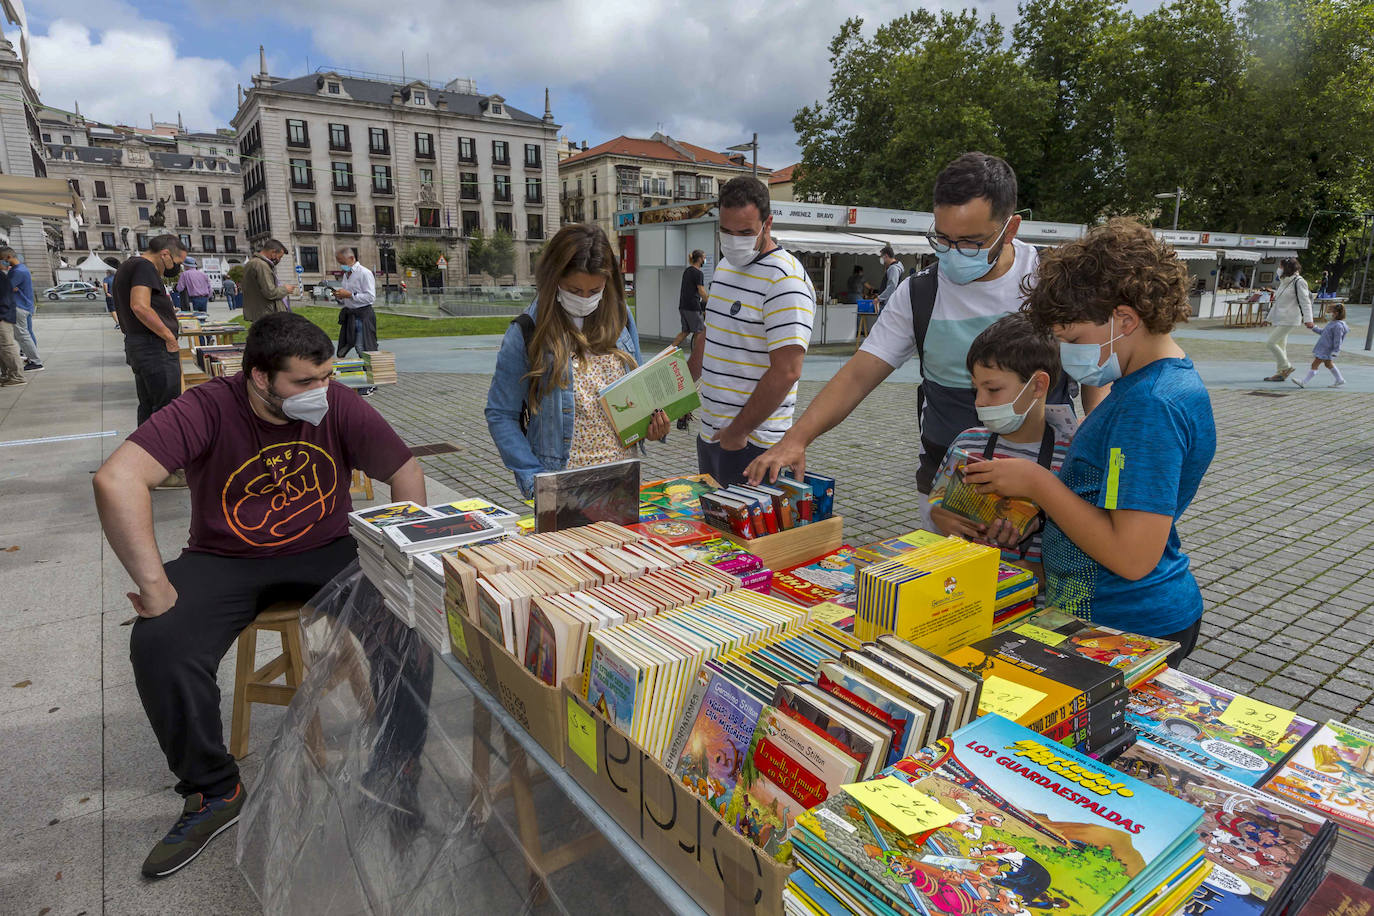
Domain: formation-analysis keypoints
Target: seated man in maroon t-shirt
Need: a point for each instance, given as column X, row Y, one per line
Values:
column 269, row 455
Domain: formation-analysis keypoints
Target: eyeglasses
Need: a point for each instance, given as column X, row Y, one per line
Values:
column 966, row 247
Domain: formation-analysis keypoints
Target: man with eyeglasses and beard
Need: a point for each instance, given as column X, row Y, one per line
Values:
column 935, row 315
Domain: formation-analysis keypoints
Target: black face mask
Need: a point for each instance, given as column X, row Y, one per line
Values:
column 172, row 271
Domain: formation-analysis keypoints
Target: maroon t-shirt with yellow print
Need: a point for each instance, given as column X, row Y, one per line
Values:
column 260, row 489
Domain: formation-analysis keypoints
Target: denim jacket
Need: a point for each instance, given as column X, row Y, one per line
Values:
column 546, row 445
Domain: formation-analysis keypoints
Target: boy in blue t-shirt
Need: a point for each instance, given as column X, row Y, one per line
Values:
column 1111, row 549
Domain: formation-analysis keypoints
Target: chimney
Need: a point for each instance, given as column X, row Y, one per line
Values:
column 78, row 110
column 584, row 145
column 239, row 87
column 152, row 122
column 396, row 95
column 181, row 127
column 441, row 101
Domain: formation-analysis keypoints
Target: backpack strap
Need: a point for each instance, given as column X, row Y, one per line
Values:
column 526, row 325
column 920, row 289
column 990, row 450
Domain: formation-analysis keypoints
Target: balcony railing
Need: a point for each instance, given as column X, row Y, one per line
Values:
column 433, row 232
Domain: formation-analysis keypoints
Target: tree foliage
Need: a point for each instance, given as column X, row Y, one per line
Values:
column 421, row 257
column 1262, row 112
column 493, row 256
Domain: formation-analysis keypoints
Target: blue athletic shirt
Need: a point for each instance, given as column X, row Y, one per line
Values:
column 1144, row 448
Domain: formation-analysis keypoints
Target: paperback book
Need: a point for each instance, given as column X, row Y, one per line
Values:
column 662, row 383
column 580, row 496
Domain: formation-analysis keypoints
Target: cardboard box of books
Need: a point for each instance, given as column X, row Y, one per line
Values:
column 722, row 870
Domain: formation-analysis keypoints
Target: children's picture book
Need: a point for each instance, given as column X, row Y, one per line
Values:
column 579, row 496
column 823, row 495
column 1332, row 772
column 662, row 383
column 1182, row 714
column 677, row 496
column 718, row 741
column 723, row 554
column 1025, row 826
column 1257, row 844
column 825, row 579
column 1138, row 657
column 962, row 499
column 938, row 597
column 676, row 531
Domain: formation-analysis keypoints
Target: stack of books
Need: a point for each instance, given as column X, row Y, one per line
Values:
column 1332, row 773
column 380, row 366
column 400, row 544
column 1016, row 591
column 939, row 597
column 527, row 552
column 1337, row 896
column 1139, row 657
column 1267, row 856
column 996, row 820
column 350, row 372
column 204, row 355
column 829, row 578
column 1186, row 716
column 895, row 547
column 368, row 527
column 1075, row 701
column 499, row 514
column 763, row 509
column 427, row 600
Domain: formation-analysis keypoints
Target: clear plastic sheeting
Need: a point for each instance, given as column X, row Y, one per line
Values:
column 392, row 789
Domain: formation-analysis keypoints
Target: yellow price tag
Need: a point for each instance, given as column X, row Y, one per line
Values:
column 921, row 538
column 1266, row 722
column 457, row 636
column 582, row 733
column 829, row 612
column 1040, row 634
column 905, row 807
column 1008, row 698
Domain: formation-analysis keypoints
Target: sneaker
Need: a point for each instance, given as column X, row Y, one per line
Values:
column 684, row 420
column 12, row 383
column 201, row 821
column 1339, row 384
column 33, row 367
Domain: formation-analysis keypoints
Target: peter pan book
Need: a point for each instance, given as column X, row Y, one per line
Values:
column 1182, row 714
column 1026, row 826
column 1332, row 772
column 663, row 383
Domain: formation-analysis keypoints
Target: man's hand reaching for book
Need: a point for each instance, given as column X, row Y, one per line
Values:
column 154, row 600
column 1013, row 477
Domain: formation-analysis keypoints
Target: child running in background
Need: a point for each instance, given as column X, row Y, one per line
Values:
column 1111, row 547
column 1328, row 347
column 1013, row 366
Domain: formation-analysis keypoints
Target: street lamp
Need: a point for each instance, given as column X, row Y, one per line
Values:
column 1177, row 195
column 744, row 147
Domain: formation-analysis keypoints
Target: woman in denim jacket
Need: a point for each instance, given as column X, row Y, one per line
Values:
column 583, row 339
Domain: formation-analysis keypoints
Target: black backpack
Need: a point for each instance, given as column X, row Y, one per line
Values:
column 526, row 325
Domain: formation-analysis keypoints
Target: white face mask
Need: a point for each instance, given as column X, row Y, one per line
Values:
column 578, row 306
column 1003, row 418
column 309, row 406
column 739, row 250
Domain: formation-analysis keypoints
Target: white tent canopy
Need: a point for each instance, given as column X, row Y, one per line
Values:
column 93, row 265
column 1195, row 254
column 901, row 243
column 824, row 242
column 1249, row 256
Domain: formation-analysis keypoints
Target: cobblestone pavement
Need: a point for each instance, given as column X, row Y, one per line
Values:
column 1281, row 534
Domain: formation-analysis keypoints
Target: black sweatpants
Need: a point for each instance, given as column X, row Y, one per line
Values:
column 157, row 373
column 176, row 656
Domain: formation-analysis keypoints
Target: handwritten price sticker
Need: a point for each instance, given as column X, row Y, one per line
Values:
column 457, row 636
column 906, row 808
column 1008, row 698
column 829, row 612
column 582, row 734
column 1040, row 634
column 1268, row 723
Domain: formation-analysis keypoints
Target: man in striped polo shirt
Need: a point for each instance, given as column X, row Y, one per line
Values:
column 759, row 311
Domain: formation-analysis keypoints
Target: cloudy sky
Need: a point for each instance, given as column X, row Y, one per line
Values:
column 708, row 71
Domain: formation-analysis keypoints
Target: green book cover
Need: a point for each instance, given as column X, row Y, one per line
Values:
column 663, row 383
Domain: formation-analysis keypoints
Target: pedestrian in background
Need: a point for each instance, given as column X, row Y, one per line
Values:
column 194, row 286
column 855, row 287
column 261, row 294
column 357, row 318
column 149, row 322
column 892, row 275
column 21, row 288
column 11, row 365
column 1328, row 347
column 108, row 284
column 231, row 293
column 1292, row 307
column 691, row 308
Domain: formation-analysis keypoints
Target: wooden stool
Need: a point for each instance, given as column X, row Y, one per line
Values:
column 256, row 685
column 361, row 486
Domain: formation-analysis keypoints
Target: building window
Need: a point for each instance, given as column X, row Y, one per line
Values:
column 424, row 146
column 105, row 214
column 142, row 215
column 300, row 174
column 347, row 220
column 47, row 138
column 504, row 223
column 141, row 240
column 228, row 219
column 338, row 137
column 429, row 217
column 297, row 134
column 467, row 186
column 310, row 258
column 386, row 220
column 207, row 243
column 532, row 156
column 205, row 222
column 67, row 139
column 472, row 221
column 183, row 218
column 467, row 149
column 418, row 98
column 231, row 243
column 497, row 108
column 502, row 188
column 305, row 214
column 179, row 194
column 185, row 238
column 500, row 152
column 378, row 141
column 381, row 179
column 705, row 187
column 100, row 190
column 226, row 196
column 593, row 182
column 596, row 211
column 343, row 176
column 426, row 176
column 203, row 195
column 107, row 241
column 333, row 87
column 534, row 225
column 534, row 190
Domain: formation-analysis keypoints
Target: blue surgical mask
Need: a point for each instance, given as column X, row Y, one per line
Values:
column 1003, row 418
column 1080, row 361
column 346, row 268
column 964, row 269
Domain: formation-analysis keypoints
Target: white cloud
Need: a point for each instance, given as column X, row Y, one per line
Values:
column 126, row 72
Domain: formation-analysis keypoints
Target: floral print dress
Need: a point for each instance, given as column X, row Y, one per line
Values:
column 594, row 439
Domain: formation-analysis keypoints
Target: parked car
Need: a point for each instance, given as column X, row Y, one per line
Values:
column 72, row 289
column 324, row 290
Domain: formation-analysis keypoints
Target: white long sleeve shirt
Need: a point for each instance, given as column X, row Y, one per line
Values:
column 1292, row 302
column 362, row 285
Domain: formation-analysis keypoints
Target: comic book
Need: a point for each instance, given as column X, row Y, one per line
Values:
column 1138, row 657
column 963, row 499
column 719, row 740
column 1332, row 772
column 678, row 496
column 1182, row 715
column 1033, row 827
column 827, row 578
column 1259, row 847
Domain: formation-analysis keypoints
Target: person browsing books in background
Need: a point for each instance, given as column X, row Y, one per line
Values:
column 1328, row 347
column 759, row 312
column 1014, row 366
column 575, row 339
column 1110, row 546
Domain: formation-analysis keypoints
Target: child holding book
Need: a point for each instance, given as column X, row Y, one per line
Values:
column 1014, row 365
column 543, row 407
column 1111, row 548
column 1328, row 347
